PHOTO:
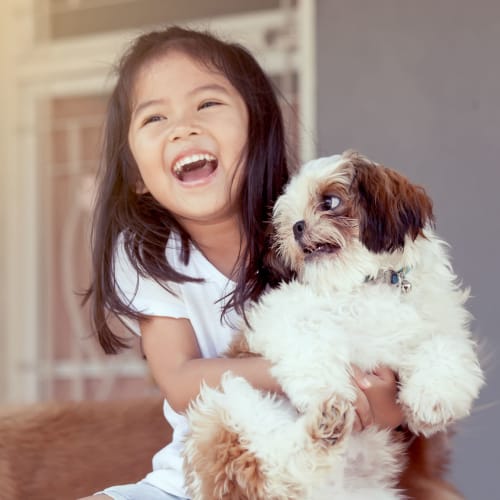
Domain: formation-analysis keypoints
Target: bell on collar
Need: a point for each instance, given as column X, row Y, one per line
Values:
column 405, row 286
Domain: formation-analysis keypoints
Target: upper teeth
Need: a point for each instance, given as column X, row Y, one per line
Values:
column 191, row 159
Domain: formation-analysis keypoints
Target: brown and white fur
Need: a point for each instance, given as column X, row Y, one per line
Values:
column 344, row 225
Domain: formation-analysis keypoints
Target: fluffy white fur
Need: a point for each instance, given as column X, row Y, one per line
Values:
column 335, row 314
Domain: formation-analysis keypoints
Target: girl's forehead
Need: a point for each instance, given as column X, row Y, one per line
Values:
column 178, row 69
column 175, row 62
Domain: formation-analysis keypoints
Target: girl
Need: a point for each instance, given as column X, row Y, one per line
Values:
column 194, row 159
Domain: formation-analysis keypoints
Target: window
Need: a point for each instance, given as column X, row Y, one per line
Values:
column 61, row 88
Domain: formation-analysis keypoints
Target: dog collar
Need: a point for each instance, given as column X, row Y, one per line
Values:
column 393, row 278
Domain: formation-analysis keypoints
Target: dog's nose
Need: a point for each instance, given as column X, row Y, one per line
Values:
column 298, row 229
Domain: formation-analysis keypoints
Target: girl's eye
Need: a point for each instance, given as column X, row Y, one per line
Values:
column 208, row 104
column 153, row 118
column 330, row 202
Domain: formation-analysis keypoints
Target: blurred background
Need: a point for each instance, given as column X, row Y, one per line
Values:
column 414, row 85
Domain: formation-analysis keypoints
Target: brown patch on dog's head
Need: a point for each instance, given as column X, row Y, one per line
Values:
column 334, row 204
column 390, row 207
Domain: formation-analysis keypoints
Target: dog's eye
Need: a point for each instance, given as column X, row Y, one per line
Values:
column 330, row 202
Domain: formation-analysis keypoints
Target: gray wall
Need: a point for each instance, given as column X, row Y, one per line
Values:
column 416, row 85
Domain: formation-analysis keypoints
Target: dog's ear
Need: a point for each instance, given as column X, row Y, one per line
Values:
column 390, row 207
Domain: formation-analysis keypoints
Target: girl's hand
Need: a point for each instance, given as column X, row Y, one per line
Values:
column 377, row 399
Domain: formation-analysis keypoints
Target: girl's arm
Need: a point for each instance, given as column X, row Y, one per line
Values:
column 177, row 367
column 176, row 364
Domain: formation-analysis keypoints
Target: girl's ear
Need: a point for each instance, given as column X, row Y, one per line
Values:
column 390, row 207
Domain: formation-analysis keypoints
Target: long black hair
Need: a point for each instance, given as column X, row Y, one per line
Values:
column 143, row 222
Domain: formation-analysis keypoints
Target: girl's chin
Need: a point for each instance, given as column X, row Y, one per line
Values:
column 204, row 211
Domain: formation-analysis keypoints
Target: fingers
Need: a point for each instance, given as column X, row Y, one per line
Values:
column 360, row 377
column 385, row 374
column 364, row 414
column 381, row 375
column 376, row 398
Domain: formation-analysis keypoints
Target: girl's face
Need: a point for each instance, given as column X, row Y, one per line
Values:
column 188, row 132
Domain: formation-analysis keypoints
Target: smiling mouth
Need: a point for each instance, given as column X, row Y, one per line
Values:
column 320, row 249
column 195, row 167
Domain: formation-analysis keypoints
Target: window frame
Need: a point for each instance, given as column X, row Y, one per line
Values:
column 39, row 72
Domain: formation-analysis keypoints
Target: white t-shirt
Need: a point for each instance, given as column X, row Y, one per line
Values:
column 200, row 303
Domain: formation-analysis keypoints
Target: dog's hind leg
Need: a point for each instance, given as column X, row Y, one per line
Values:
column 239, row 445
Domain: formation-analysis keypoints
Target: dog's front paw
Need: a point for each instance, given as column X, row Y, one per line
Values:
column 329, row 422
column 430, row 408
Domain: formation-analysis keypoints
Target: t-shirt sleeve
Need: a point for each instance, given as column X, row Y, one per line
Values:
column 145, row 295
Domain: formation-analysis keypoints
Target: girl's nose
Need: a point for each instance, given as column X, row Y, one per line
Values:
column 182, row 131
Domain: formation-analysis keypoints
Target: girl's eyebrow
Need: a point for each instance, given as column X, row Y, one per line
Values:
column 210, row 86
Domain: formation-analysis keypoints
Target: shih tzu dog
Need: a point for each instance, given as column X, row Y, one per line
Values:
column 373, row 286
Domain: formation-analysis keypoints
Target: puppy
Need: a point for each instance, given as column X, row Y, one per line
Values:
column 374, row 286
